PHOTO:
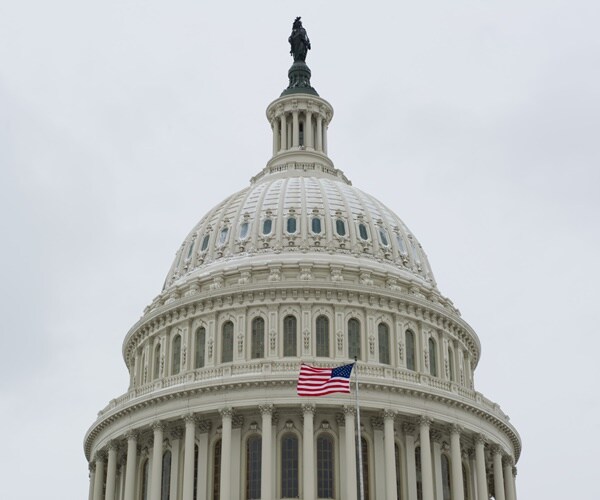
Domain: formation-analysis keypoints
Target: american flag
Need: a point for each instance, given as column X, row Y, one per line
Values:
column 320, row 381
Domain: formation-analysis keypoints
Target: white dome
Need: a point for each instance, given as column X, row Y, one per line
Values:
column 296, row 211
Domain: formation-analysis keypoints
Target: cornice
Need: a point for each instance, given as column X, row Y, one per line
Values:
column 184, row 393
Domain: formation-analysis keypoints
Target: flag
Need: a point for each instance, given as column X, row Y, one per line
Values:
column 314, row 381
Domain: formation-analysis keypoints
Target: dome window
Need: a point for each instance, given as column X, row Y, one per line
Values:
column 291, row 225
column 383, row 238
column 190, row 250
column 316, row 225
column 340, row 227
column 223, row 236
column 244, row 230
column 401, row 245
column 362, row 231
column 205, row 243
column 267, row 226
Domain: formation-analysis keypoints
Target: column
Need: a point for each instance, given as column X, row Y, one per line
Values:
column 202, row 481
column 325, row 138
column 237, row 422
column 426, row 470
column 509, row 483
column 131, row 465
column 411, row 465
column 266, row 468
column 111, row 473
column 99, row 478
column 295, row 129
column 498, row 476
column 319, row 145
column 283, row 132
column 308, row 411
column 390, row 455
column 458, row 490
column 226, row 416
column 92, row 469
column 188, row 457
column 275, row 127
column 176, row 438
column 308, row 131
column 436, row 438
column 157, row 451
column 482, row 490
column 350, row 454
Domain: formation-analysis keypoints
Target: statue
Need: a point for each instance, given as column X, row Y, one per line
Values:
column 299, row 42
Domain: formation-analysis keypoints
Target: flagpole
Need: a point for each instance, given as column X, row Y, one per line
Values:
column 360, row 464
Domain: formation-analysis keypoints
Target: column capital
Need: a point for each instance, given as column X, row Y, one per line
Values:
column 508, row 461
column 100, row 456
column 189, row 418
column 479, row 439
column 237, row 421
column 514, row 471
column 131, row 435
column 309, row 408
column 92, row 466
column 266, row 409
column 158, row 426
column 456, row 429
column 425, row 421
column 112, row 445
column 226, row 412
column 388, row 414
column 349, row 411
column 496, row 449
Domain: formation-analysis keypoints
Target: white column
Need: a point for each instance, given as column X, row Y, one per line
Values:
column 99, row 477
column 308, row 131
column 512, row 487
column 482, row 490
column 275, row 127
column 92, row 469
column 390, row 455
column 350, row 454
column 325, row 138
column 111, row 472
column 458, row 490
column 426, row 470
column 202, row 481
column 508, row 477
column 283, row 132
column 266, row 468
column 157, row 451
column 176, row 437
column 319, row 145
column 188, row 457
column 130, row 470
column 226, row 416
column 295, row 129
column 411, row 465
column 498, row 476
column 308, row 411
column 237, row 422
column 436, row 439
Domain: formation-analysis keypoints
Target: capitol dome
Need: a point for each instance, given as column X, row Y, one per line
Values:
column 301, row 267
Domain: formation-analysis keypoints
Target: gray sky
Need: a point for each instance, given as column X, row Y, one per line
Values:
column 123, row 122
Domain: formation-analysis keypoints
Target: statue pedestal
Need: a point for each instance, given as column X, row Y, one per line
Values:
column 299, row 75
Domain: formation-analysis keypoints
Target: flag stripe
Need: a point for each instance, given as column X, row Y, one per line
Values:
column 313, row 381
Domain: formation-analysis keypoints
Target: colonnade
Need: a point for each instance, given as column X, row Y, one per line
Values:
column 189, row 481
column 286, row 131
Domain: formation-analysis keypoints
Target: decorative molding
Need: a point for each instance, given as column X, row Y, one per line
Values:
column 226, row 412
column 377, row 423
column 309, row 409
column 266, row 409
column 204, row 426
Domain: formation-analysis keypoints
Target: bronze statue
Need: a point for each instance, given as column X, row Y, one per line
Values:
column 299, row 41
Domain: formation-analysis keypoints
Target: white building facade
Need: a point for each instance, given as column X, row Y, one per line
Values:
column 300, row 267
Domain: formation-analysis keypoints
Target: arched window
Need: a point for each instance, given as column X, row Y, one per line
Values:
column 353, row 338
column 144, row 485
column 397, row 458
column 362, row 231
column 244, row 230
column 418, row 473
column 289, row 335
column 267, row 226
column 340, row 227
column 156, row 367
column 315, row 225
column 384, row 343
column 365, row 467
column 204, row 245
column 165, row 485
column 410, row 350
column 217, row 471
column 301, row 131
column 258, row 338
column 322, row 336
column 253, row 467
column 200, row 344
column 325, row 466
column 227, row 348
column 433, row 368
column 289, row 466
column 451, row 364
column 446, row 495
column 383, row 237
column 142, row 369
column 291, row 225
column 176, row 355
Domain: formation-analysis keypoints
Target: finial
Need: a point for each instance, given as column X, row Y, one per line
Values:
column 299, row 73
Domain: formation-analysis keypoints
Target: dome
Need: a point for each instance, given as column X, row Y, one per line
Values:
column 300, row 211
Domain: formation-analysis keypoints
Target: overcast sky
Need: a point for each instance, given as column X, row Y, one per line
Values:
column 123, row 122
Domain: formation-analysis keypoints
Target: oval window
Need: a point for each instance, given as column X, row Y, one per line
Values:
column 401, row 245
column 205, row 243
column 362, row 231
column 340, row 227
column 316, row 225
column 291, row 225
column 244, row 230
column 383, row 238
column 267, row 226
column 223, row 236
